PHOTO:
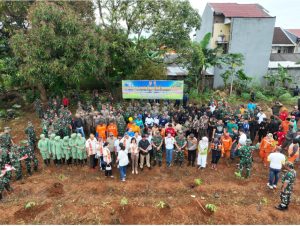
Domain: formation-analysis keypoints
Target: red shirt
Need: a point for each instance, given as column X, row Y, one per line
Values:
column 65, row 101
column 170, row 130
column 283, row 115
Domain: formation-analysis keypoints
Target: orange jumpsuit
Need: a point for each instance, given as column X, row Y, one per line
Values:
column 101, row 130
column 112, row 128
column 266, row 147
column 290, row 151
column 285, row 126
column 226, row 145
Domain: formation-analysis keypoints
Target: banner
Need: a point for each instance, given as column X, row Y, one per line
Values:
column 152, row 89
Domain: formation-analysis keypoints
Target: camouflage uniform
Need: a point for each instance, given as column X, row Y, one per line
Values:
column 289, row 177
column 25, row 149
column 245, row 154
column 179, row 154
column 4, row 182
column 157, row 140
column 121, row 125
column 45, row 125
column 31, row 136
column 38, row 108
column 14, row 156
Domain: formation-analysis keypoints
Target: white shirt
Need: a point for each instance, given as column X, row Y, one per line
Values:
column 212, row 108
column 117, row 145
column 126, row 142
column 138, row 138
column 156, row 121
column 261, row 117
column 149, row 121
column 91, row 146
column 150, row 141
column 169, row 141
column 276, row 160
column 123, row 158
column 243, row 139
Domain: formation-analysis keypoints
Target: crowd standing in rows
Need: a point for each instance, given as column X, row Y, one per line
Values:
column 138, row 135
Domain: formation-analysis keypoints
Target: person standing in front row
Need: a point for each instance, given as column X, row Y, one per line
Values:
column 144, row 146
column 123, row 161
column 91, row 146
column 134, row 155
column 192, row 147
column 202, row 152
column 169, row 143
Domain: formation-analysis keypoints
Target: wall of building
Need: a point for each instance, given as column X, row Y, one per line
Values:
column 251, row 37
column 294, row 72
column 206, row 24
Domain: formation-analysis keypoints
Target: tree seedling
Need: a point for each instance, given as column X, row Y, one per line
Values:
column 29, row 205
column 263, row 201
column 211, row 207
column 198, row 181
column 124, row 202
column 239, row 175
column 161, row 205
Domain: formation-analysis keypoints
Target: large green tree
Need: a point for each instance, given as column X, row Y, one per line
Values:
column 58, row 49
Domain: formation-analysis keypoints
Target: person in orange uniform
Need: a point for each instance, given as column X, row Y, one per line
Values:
column 268, row 145
column 112, row 128
column 101, row 130
column 134, row 127
column 285, row 125
column 293, row 151
column 226, row 141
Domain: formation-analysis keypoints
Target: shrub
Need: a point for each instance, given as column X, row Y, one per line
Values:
column 198, row 181
column 285, row 97
column 246, row 96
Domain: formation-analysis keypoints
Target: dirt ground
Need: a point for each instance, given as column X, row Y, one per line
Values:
column 78, row 195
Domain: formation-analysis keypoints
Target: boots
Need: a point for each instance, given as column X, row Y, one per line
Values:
column 281, row 208
column 46, row 162
column 29, row 172
column 35, row 168
column 75, row 162
column 180, row 163
column 154, row 163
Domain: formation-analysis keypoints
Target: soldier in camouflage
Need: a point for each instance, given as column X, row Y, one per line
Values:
column 157, row 142
column 15, row 156
column 38, row 108
column 288, row 180
column 4, row 182
column 121, row 125
column 245, row 154
column 180, row 143
column 25, row 149
column 31, row 136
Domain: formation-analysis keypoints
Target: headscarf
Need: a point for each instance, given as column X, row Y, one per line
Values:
column 203, row 144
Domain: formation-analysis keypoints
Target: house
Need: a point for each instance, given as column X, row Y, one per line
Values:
column 174, row 71
column 282, row 43
column 239, row 28
column 294, row 34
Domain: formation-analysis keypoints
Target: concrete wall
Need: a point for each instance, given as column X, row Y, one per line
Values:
column 206, row 24
column 220, row 29
column 251, row 37
column 294, row 72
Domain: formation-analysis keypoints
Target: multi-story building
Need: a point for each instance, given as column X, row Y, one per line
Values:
column 282, row 43
column 239, row 28
column 294, row 35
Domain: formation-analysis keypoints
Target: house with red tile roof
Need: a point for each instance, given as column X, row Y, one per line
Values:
column 294, row 35
column 239, row 28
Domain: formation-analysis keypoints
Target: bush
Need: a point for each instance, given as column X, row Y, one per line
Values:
column 30, row 96
column 198, row 182
column 285, row 97
column 246, row 96
column 261, row 96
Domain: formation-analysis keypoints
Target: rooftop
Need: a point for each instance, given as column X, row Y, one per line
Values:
column 240, row 10
column 280, row 37
column 295, row 32
column 293, row 57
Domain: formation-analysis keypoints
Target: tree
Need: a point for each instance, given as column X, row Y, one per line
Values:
column 58, row 49
column 150, row 69
column 167, row 22
column 232, row 61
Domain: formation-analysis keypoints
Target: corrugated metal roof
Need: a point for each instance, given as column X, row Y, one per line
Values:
column 240, row 10
column 175, row 70
column 285, row 64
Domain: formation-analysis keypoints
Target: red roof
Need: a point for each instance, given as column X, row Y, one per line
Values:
column 294, row 32
column 239, row 10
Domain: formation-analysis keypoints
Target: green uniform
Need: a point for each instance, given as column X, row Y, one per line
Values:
column 245, row 154
column 72, row 144
column 80, row 147
column 44, row 150
column 51, row 147
column 179, row 154
column 25, row 149
column 121, row 125
column 58, row 149
column 31, row 136
column 15, row 162
column 157, row 152
column 285, row 196
column 66, row 149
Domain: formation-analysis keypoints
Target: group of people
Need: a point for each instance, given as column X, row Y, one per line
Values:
column 139, row 134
